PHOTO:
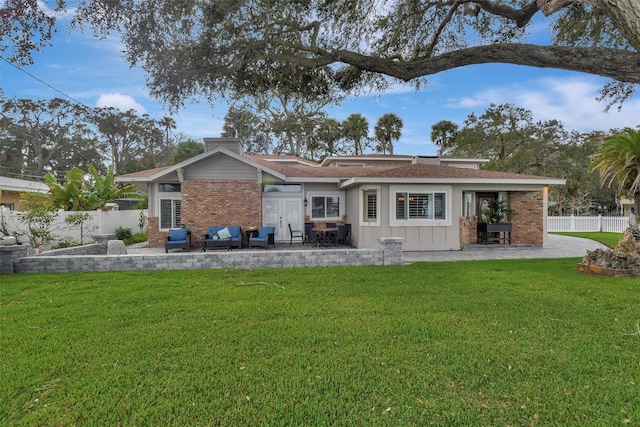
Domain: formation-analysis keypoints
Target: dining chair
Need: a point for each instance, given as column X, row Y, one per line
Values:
column 295, row 234
column 310, row 235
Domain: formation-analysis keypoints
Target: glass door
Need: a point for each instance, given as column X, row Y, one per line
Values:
column 279, row 213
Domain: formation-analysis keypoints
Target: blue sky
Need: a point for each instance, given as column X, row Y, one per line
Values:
column 93, row 72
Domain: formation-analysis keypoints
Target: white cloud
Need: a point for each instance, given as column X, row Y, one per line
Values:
column 569, row 100
column 120, row 101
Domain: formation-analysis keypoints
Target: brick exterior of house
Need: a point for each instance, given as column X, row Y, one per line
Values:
column 528, row 217
column 527, row 220
column 214, row 202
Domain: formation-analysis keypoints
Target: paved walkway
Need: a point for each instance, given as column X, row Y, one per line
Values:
column 557, row 247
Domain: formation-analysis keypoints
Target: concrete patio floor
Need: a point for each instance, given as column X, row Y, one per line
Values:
column 557, row 247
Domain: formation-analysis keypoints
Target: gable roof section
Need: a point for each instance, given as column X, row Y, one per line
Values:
column 151, row 175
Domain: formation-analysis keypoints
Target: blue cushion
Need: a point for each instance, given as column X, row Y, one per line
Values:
column 265, row 231
column 178, row 234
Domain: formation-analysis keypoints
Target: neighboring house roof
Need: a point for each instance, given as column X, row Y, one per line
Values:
column 18, row 185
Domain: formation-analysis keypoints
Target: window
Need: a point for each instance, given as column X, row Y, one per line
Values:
column 420, row 205
column 430, row 206
column 324, row 207
column 370, row 199
column 168, row 188
column 282, row 188
column 468, row 204
column 169, row 213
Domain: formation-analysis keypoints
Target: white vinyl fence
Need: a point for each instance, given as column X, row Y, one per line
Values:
column 615, row 224
column 99, row 222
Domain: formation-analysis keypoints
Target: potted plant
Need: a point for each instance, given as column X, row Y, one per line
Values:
column 494, row 228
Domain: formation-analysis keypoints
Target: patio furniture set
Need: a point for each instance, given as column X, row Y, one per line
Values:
column 323, row 234
column 227, row 237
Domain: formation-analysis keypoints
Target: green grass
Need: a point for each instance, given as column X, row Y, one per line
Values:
column 517, row 342
column 609, row 239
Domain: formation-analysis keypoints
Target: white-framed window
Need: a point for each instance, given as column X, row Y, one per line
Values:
column 370, row 207
column 169, row 204
column 326, row 206
column 468, row 204
column 420, row 205
column 169, row 213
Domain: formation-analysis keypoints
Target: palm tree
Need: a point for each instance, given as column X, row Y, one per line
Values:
column 442, row 134
column 619, row 163
column 388, row 129
column 356, row 129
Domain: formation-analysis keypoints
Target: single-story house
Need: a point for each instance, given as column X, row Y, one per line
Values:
column 432, row 203
column 10, row 189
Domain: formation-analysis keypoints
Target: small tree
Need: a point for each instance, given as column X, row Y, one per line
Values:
column 78, row 221
column 37, row 215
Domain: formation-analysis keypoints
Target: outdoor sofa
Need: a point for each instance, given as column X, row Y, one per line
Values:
column 216, row 237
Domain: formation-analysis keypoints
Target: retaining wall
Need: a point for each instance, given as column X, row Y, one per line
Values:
column 389, row 253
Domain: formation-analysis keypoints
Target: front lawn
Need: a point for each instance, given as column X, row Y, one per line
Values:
column 517, row 342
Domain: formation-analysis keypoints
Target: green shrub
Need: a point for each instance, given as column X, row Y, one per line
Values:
column 67, row 242
column 136, row 238
column 123, row 233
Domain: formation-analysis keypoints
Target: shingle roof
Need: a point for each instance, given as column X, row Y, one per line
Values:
column 420, row 170
column 145, row 173
column 311, row 170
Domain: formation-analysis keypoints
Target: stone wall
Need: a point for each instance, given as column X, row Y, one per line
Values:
column 389, row 253
column 10, row 254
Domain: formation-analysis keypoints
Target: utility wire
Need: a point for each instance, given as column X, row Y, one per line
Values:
column 44, row 83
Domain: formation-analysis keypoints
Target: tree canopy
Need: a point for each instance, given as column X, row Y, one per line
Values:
column 236, row 47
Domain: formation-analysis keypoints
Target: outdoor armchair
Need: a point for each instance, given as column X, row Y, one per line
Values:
column 178, row 238
column 265, row 237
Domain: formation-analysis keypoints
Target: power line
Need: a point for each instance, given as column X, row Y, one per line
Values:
column 44, row 83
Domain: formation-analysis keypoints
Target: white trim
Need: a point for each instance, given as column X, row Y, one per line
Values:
column 311, row 194
column 426, row 189
column 507, row 183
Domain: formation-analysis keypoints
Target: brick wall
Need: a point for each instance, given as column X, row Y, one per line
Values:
column 208, row 202
column 468, row 230
column 528, row 217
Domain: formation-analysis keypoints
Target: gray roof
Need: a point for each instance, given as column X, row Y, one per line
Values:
column 18, row 185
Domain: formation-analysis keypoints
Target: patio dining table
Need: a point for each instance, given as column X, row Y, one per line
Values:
column 324, row 232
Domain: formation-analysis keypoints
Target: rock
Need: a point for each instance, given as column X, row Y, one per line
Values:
column 626, row 256
column 116, row 247
column 8, row 241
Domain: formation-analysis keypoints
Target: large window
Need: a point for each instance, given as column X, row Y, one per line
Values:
column 420, row 205
column 325, row 207
column 169, row 213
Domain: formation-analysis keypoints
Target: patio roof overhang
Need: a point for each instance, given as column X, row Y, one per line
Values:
column 506, row 183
